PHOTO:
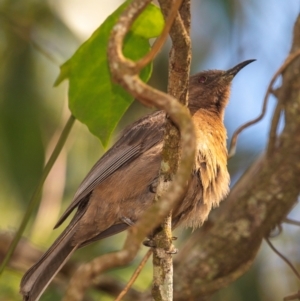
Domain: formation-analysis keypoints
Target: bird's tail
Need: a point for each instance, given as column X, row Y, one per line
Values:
column 38, row 277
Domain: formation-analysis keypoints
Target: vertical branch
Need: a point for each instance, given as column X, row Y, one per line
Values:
column 258, row 202
column 179, row 66
column 126, row 73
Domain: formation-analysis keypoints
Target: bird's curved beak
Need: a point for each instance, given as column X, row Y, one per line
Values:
column 233, row 71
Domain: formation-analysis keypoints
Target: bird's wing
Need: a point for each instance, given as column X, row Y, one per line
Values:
column 137, row 139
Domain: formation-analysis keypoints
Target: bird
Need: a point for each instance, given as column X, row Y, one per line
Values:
column 120, row 187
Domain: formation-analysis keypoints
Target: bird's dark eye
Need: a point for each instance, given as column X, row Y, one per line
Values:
column 202, row 79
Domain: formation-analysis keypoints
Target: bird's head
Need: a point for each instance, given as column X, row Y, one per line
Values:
column 210, row 89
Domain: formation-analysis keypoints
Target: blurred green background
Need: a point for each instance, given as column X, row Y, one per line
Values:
column 38, row 36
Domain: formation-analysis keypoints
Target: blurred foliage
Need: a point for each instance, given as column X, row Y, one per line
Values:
column 93, row 98
column 32, row 113
column 21, row 109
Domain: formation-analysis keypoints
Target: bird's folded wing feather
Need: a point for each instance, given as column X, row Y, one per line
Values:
column 140, row 137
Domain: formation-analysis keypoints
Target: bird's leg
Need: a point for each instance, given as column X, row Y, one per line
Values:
column 148, row 242
column 151, row 244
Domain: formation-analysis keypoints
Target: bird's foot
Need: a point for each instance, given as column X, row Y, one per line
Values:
column 149, row 243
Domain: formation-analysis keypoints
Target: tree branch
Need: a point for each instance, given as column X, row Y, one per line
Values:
column 179, row 69
column 26, row 255
column 257, row 203
column 125, row 72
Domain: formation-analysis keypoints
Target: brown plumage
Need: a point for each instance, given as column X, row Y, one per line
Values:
column 121, row 185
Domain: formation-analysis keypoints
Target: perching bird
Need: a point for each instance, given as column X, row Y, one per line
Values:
column 121, row 185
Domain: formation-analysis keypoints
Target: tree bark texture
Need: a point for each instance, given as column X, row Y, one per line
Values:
column 219, row 253
column 223, row 250
column 179, row 70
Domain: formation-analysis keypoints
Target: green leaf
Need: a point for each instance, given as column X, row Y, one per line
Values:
column 150, row 24
column 93, row 98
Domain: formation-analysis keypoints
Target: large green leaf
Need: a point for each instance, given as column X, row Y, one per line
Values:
column 93, row 98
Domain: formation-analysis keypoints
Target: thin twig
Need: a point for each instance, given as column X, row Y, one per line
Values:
column 283, row 258
column 261, row 198
column 159, row 42
column 291, row 222
column 273, row 130
column 134, row 276
column 125, row 73
column 233, row 142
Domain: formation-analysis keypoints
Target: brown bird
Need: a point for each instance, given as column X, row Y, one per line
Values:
column 121, row 185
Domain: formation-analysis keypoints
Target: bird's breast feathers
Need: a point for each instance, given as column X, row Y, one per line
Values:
column 211, row 158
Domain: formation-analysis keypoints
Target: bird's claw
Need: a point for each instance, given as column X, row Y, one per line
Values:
column 149, row 243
